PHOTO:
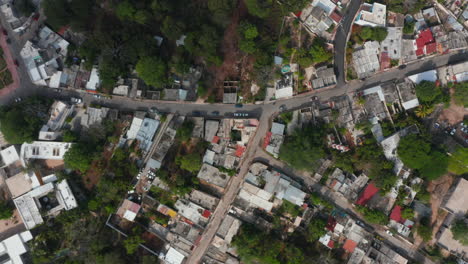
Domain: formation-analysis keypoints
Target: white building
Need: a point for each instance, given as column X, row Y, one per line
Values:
column 44, row 150
column 365, row 60
column 49, row 198
column 58, row 114
column 430, row 76
column 94, row 80
column 12, row 248
column 373, row 15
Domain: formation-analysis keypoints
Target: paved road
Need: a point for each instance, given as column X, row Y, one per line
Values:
column 340, row 202
column 341, row 40
column 261, row 111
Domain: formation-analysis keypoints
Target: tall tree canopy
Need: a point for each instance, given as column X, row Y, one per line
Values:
column 418, row 153
column 460, row 231
column 427, row 91
column 302, row 149
column 152, row 70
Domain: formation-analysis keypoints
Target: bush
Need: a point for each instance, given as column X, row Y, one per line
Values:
column 302, row 149
column 461, row 94
column 460, row 231
column 6, row 212
column 428, row 92
column 373, row 216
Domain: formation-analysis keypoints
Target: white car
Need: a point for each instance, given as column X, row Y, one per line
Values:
column 389, row 233
column 76, row 100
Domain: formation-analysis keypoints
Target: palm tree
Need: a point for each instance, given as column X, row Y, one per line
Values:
column 423, row 110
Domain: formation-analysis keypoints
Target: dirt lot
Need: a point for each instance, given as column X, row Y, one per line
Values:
column 230, row 69
column 454, row 114
column 438, row 189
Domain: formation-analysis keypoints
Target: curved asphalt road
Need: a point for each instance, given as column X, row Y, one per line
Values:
column 341, row 39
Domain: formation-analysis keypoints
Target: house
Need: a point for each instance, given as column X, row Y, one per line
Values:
column 226, row 232
column 48, row 199
column 146, row 133
column 45, row 150
column 194, row 213
column 367, row 194
column 175, row 94
column 13, row 248
column 59, row 112
column 128, row 210
column 203, row 199
column 318, row 16
column 407, row 94
column 392, row 44
column 13, row 18
column 94, row 116
column 373, row 15
column 94, row 80
column 121, row 90
column 365, row 60
column 284, row 86
column 431, row 16
column 425, row 43
column 211, row 128
column 262, row 184
column 430, row 76
column 325, row 77
column 173, row 256
column 274, row 139
column 211, row 176
column 347, row 184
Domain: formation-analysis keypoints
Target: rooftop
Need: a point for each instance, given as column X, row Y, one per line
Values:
column 367, row 194
column 430, row 75
column 372, row 15
column 213, row 176
column 9, row 155
column 44, row 150
column 15, row 246
column 456, row 199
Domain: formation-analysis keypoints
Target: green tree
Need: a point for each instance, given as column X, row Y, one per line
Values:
column 379, row 33
column 57, row 12
column 407, row 213
column 152, row 70
column 424, row 229
column 125, row 10
column 303, row 148
column 417, row 153
column 6, row 212
column 318, row 51
column 409, row 28
column 414, row 151
column 373, row 216
column 69, row 136
column 221, row 11
column 190, row 162
column 79, row 157
column 247, row 46
column 172, row 29
column 460, row 231
column 259, row 8
column 458, row 162
column 427, row 91
column 18, row 126
column 316, row 229
column 248, row 31
column 184, row 132
column 142, row 16
column 461, row 94
column 132, row 243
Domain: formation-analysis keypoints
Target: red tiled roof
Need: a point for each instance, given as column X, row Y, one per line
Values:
column 206, row 214
column 266, row 142
column 62, row 30
column 215, row 140
column 426, row 35
column 349, row 245
column 367, row 194
column 336, row 17
column 331, row 224
column 420, row 52
column 239, row 151
column 384, row 61
column 395, row 215
column 431, row 48
column 331, row 244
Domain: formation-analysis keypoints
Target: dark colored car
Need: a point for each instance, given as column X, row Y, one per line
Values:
column 36, row 17
column 4, row 32
column 239, row 105
column 402, row 66
column 16, row 63
column 8, row 40
column 216, row 113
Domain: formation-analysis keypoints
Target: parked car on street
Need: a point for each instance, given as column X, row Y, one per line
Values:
column 76, row 100
column 16, row 63
column 5, row 33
